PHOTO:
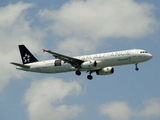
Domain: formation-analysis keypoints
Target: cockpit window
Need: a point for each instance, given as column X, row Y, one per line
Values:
column 143, row 52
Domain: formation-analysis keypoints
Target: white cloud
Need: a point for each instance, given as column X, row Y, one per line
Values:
column 45, row 99
column 74, row 46
column 15, row 29
column 122, row 111
column 94, row 20
column 116, row 110
column 11, row 12
column 152, row 108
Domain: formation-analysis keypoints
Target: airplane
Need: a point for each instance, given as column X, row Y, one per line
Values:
column 101, row 64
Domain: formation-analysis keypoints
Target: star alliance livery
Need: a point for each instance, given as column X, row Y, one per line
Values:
column 101, row 64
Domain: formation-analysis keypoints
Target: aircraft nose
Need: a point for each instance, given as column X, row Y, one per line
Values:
column 149, row 56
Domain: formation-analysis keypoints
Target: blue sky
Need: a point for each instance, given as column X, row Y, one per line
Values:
column 78, row 27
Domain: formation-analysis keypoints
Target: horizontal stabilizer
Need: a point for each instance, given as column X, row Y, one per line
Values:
column 20, row 65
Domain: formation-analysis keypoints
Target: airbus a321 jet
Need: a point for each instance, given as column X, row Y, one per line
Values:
column 101, row 64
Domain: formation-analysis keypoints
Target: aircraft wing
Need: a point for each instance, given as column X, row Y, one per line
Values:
column 73, row 61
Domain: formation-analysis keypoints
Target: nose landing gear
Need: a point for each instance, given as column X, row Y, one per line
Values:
column 136, row 67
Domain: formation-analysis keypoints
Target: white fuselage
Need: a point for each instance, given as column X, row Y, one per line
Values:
column 103, row 60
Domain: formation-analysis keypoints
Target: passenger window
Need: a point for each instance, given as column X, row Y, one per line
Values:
column 57, row 63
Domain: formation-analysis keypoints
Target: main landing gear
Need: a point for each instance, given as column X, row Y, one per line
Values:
column 136, row 67
column 78, row 72
column 89, row 76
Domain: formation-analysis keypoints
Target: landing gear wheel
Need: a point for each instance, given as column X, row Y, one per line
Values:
column 78, row 72
column 136, row 69
column 90, row 77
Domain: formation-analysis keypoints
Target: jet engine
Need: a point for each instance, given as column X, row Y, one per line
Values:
column 105, row 71
column 88, row 64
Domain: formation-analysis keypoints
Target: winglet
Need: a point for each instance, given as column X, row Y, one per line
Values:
column 44, row 50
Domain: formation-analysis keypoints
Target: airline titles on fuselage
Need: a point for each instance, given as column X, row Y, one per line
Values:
column 104, row 55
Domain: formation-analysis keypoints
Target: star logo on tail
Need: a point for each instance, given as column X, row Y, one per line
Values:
column 26, row 58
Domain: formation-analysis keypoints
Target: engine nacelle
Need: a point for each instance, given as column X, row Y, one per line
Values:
column 89, row 64
column 105, row 71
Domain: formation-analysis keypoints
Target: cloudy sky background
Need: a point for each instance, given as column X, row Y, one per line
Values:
column 78, row 27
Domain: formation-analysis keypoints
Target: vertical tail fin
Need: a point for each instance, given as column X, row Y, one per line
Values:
column 26, row 55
